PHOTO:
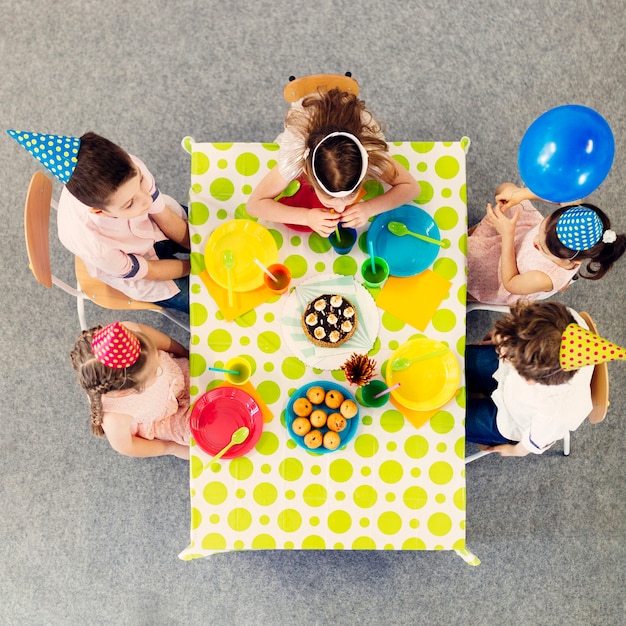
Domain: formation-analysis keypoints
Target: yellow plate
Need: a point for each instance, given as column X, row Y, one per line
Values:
column 427, row 384
column 247, row 240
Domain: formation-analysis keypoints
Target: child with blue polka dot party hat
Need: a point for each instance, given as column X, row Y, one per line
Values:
column 331, row 144
column 112, row 215
column 137, row 382
column 531, row 257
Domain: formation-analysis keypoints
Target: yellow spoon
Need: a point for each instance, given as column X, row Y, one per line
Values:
column 239, row 436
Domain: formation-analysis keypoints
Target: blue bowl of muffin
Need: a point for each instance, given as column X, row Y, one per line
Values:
column 322, row 417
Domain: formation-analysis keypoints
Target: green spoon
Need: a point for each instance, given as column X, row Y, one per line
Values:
column 290, row 190
column 239, row 436
column 397, row 365
column 228, row 261
column 400, row 229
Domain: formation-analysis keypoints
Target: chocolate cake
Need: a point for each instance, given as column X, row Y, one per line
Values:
column 329, row 320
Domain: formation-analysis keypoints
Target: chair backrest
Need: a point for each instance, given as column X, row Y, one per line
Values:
column 37, row 227
column 297, row 88
column 599, row 381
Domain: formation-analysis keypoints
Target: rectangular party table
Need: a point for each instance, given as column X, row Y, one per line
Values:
column 400, row 483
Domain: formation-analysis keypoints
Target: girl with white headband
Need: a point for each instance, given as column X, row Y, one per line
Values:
column 516, row 253
column 331, row 144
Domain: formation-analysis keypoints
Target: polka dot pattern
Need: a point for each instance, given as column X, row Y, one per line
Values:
column 393, row 487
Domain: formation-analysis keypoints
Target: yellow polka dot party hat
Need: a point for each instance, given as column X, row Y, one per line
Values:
column 580, row 347
column 115, row 346
column 57, row 153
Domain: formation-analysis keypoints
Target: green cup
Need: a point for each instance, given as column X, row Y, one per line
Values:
column 377, row 277
column 365, row 395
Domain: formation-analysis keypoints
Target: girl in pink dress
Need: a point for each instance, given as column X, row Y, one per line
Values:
column 527, row 256
column 137, row 381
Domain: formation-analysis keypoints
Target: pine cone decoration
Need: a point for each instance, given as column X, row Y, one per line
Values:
column 359, row 369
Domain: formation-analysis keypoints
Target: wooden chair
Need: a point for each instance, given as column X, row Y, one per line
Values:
column 297, row 88
column 37, row 231
column 599, row 380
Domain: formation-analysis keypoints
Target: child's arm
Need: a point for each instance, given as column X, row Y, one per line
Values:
column 167, row 269
column 173, row 226
column 161, row 340
column 117, row 429
column 404, row 188
column 508, row 195
column 262, row 204
column 533, row 281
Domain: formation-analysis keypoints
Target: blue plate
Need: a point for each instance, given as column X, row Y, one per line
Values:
column 345, row 435
column 405, row 255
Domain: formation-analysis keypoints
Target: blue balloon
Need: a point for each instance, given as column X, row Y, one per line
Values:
column 566, row 153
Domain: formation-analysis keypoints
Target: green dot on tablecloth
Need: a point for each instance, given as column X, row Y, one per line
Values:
column 199, row 163
column 198, row 213
column 289, row 520
column 320, row 267
column 391, row 322
column 290, row 494
column 345, row 266
column 459, row 447
column 266, row 468
column 264, row 542
column 338, row 375
column 364, row 522
column 463, row 193
column 196, row 238
column 416, row 472
column 268, row 367
column 422, row 166
column 222, row 164
column 444, row 320
column 196, row 518
column 268, row 341
column 313, row 542
column 392, row 446
column 373, row 189
column 246, row 189
column 340, row 470
column 340, row 495
column 392, row 421
column 198, row 314
column 242, row 214
column 267, row 444
column 247, row 320
column 402, row 160
column 365, row 496
column 463, row 244
column 390, row 472
column 315, row 494
column 422, row 146
column 239, row 519
column 414, row 523
column 222, row 189
column 193, row 390
column 293, row 368
column 441, row 447
column 277, row 237
column 445, row 267
column 414, row 544
column 366, row 445
column 446, row 217
column 426, row 194
column 390, row 497
column 460, row 397
column 269, row 317
column 240, row 493
column 415, row 498
column 316, row 470
column 440, row 498
column 339, row 521
column 447, row 167
column 446, row 192
column 366, row 420
column 364, row 543
column 269, row 391
column 222, row 145
column 265, row 494
column 219, row 340
column 290, row 469
column 439, row 524
column 222, row 214
column 197, row 262
column 241, row 468
column 244, row 341
column 264, row 520
column 297, row 265
column 213, row 541
column 440, row 472
column 197, row 364
column 366, row 471
column 416, row 447
column 295, row 241
column 318, row 244
column 289, row 545
column 197, row 466
column 462, row 295
column 215, row 493
column 459, row 499
column 195, row 289
column 389, row 522
column 247, row 164
column 442, row 422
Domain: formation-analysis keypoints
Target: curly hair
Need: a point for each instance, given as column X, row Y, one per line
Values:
column 97, row 379
column 529, row 338
column 338, row 160
column 600, row 258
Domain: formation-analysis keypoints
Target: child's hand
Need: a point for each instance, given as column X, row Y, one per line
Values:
column 322, row 221
column 504, row 225
column 354, row 216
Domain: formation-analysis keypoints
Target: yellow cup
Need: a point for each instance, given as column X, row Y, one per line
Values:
column 241, row 365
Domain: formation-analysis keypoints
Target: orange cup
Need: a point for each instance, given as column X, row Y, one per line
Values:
column 283, row 278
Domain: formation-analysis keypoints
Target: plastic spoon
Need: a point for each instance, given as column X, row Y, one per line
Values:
column 228, row 261
column 397, row 365
column 400, row 229
column 290, row 190
column 239, row 436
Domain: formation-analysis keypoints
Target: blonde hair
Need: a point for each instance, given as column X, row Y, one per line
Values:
column 97, row 379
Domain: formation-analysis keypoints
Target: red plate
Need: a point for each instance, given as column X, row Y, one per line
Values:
column 218, row 413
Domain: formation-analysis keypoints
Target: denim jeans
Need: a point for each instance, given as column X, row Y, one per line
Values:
column 171, row 250
column 481, row 362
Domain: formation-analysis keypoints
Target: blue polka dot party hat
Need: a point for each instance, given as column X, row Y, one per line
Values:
column 55, row 152
column 579, row 228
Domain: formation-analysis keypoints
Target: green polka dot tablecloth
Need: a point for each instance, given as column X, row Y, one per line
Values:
column 394, row 487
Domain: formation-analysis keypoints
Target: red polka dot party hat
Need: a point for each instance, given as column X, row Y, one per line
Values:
column 115, row 346
column 579, row 348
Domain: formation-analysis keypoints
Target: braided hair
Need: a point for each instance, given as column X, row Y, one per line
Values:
column 97, row 379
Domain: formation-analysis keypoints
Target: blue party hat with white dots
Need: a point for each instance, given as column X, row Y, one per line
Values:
column 55, row 152
column 579, row 228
